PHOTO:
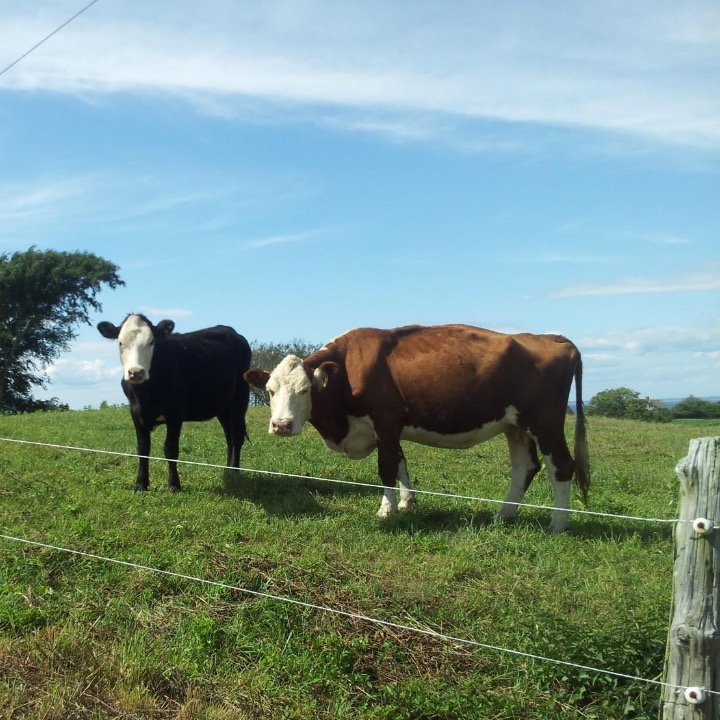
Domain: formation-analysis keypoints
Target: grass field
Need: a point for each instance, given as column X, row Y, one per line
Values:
column 86, row 638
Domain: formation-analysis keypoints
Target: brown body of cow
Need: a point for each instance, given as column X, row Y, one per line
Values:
column 450, row 386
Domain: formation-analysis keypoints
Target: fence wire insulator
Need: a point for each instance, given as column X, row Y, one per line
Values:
column 703, row 526
column 695, row 695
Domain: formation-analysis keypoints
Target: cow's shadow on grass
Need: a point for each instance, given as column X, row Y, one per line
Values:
column 426, row 518
column 294, row 496
column 284, row 496
column 277, row 495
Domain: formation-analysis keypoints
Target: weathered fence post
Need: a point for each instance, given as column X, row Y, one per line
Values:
column 693, row 647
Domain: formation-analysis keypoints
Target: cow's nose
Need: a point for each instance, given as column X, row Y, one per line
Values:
column 136, row 375
column 282, row 426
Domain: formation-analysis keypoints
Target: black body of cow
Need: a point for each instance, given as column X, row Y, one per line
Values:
column 194, row 376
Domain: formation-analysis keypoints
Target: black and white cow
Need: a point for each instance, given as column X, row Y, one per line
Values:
column 171, row 378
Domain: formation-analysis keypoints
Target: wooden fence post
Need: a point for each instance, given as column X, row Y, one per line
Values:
column 692, row 659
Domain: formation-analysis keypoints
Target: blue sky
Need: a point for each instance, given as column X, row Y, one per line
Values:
column 295, row 168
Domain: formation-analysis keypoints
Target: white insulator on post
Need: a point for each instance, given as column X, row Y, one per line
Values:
column 695, row 695
column 702, row 526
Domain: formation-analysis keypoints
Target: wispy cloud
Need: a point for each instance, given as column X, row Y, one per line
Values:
column 668, row 240
column 654, row 238
column 165, row 313
column 283, row 239
column 656, row 339
column 553, row 258
column 46, row 197
column 647, row 70
column 691, row 282
column 195, row 203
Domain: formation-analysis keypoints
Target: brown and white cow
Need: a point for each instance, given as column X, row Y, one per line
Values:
column 449, row 386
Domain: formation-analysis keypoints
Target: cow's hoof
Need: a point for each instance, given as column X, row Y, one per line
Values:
column 140, row 488
column 174, row 488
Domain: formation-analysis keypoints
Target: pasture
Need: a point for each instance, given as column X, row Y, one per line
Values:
column 86, row 638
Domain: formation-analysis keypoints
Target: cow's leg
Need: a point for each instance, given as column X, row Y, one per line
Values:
column 524, row 465
column 389, row 460
column 227, row 426
column 143, row 450
column 560, row 467
column 407, row 496
column 235, row 426
column 172, row 450
column 239, row 427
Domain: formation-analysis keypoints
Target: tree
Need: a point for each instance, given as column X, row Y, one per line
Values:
column 625, row 403
column 43, row 296
column 267, row 355
column 694, row 407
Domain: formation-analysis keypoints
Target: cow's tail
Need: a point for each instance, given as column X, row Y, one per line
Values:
column 582, row 457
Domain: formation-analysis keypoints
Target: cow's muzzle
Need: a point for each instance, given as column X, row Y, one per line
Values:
column 282, row 426
column 137, row 375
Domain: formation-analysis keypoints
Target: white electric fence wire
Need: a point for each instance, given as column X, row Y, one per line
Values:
column 373, row 486
column 47, row 37
column 346, row 613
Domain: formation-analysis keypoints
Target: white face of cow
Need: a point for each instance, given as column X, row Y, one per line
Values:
column 136, row 349
column 290, row 399
column 136, row 338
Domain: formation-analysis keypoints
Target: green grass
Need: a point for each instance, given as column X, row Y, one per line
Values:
column 84, row 638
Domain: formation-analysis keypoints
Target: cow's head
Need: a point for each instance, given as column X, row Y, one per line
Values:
column 136, row 337
column 290, row 387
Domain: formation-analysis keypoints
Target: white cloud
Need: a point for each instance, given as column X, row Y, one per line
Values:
column 658, row 339
column 70, row 371
column 659, row 361
column 690, row 282
column 638, row 68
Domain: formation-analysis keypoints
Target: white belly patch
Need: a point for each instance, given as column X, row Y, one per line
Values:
column 464, row 440
column 361, row 439
column 457, row 441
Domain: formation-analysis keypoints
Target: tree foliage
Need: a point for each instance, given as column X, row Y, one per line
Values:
column 43, row 297
column 694, row 407
column 267, row 355
column 625, row 403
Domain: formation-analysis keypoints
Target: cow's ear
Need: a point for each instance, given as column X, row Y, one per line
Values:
column 164, row 327
column 321, row 376
column 108, row 330
column 257, row 378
